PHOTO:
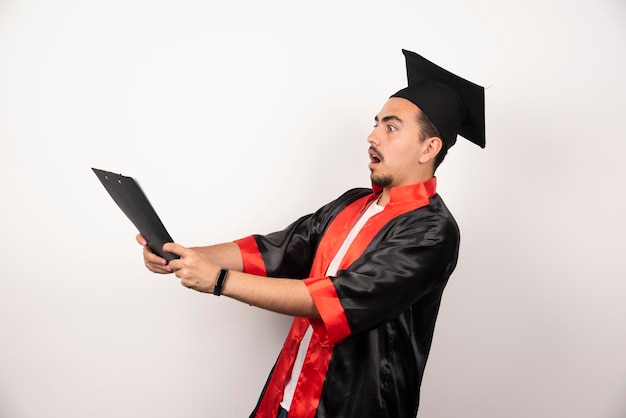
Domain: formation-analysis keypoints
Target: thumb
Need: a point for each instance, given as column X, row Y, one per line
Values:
column 172, row 247
column 141, row 240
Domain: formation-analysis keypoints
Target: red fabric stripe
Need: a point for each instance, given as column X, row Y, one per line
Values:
column 252, row 261
column 311, row 381
column 336, row 234
column 306, row 398
column 334, row 321
column 268, row 407
column 321, row 288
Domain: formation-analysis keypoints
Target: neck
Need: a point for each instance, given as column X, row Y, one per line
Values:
column 383, row 199
column 385, row 196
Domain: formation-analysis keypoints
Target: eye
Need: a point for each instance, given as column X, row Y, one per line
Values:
column 392, row 128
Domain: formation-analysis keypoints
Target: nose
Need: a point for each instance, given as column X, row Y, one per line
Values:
column 372, row 138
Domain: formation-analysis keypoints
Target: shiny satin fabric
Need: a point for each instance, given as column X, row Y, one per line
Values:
column 388, row 291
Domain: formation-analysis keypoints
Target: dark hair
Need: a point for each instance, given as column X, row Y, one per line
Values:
column 429, row 130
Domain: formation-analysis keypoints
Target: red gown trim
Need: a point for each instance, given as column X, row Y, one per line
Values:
column 252, row 261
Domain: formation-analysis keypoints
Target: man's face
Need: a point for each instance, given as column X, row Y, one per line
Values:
column 396, row 152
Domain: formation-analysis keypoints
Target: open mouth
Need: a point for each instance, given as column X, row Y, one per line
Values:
column 375, row 156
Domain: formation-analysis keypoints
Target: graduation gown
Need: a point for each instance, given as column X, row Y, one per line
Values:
column 368, row 351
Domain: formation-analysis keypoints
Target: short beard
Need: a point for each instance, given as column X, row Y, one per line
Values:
column 381, row 181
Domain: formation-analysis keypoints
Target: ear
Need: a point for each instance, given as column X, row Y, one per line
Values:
column 432, row 147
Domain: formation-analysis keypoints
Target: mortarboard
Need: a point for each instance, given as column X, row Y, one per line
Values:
column 453, row 104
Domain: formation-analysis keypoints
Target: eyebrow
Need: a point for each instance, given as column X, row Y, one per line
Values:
column 390, row 118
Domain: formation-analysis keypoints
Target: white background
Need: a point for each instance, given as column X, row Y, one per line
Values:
column 237, row 118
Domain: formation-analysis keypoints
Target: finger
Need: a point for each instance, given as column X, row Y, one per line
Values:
column 151, row 257
column 172, row 247
column 175, row 265
column 141, row 240
column 158, row 269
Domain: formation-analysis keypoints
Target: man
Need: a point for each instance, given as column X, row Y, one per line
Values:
column 371, row 265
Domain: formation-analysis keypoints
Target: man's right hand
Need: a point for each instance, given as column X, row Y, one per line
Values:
column 153, row 262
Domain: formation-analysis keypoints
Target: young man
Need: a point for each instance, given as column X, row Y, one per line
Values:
column 370, row 267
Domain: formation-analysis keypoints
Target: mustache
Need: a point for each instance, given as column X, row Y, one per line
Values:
column 376, row 152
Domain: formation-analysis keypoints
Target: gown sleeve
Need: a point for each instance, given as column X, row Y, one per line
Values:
column 290, row 252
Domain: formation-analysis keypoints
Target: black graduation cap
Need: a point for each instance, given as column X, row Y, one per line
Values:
column 453, row 104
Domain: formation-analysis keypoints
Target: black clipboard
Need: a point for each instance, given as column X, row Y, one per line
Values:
column 126, row 192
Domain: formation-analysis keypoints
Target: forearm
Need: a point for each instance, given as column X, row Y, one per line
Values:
column 198, row 269
column 286, row 296
column 226, row 255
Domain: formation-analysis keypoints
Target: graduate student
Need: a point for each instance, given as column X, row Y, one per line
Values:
column 363, row 276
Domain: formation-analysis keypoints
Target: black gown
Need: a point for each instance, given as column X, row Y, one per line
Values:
column 367, row 354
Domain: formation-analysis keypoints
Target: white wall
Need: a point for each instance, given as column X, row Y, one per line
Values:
column 238, row 117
